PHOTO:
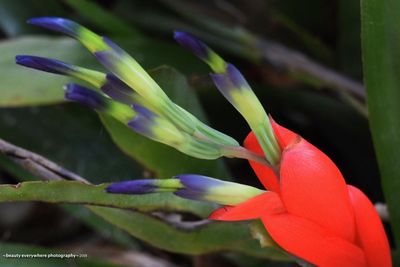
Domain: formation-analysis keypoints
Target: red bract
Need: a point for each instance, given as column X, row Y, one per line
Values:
column 309, row 210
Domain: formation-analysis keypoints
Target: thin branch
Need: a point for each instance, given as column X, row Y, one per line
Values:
column 299, row 64
column 37, row 164
column 243, row 153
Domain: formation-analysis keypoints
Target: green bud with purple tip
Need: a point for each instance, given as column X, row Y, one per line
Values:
column 55, row 66
column 190, row 186
column 159, row 129
column 99, row 102
column 201, row 50
column 107, row 83
column 199, row 187
column 129, row 84
column 89, row 39
column 155, row 127
column 109, row 54
column 237, row 91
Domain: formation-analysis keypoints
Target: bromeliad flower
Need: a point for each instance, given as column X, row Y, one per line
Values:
column 306, row 207
column 131, row 96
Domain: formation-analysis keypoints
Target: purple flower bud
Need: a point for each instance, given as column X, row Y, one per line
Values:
column 144, row 111
column 199, row 183
column 44, row 64
column 143, row 122
column 203, row 188
column 62, row 25
column 236, row 77
column 108, row 58
column 142, row 125
column 191, row 43
column 224, row 85
column 231, row 80
column 116, row 82
column 196, row 187
column 113, row 46
column 118, row 90
column 83, row 95
column 190, row 194
column 133, row 187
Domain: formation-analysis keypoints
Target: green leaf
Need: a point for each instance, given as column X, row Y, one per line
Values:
column 211, row 237
column 381, row 63
column 165, row 161
column 21, row 86
column 78, row 193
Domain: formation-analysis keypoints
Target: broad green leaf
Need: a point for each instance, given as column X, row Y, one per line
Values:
column 45, row 257
column 21, row 86
column 78, row 193
column 165, row 161
column 381, row 64
column 211, row 237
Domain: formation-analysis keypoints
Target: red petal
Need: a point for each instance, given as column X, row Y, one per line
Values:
column 370, row 232
column 266, row 175
column 312, row 243
column 284, row 136
column 254, row 208
column 312, row 187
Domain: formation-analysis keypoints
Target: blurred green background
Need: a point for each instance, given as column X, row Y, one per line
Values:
column 288, row 50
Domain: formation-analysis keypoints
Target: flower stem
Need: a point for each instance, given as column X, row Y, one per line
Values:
column 243, row 153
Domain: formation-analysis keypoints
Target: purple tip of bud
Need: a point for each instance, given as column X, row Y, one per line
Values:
column 224, row 84
column 144, row 111
column 229, row 81
column 191, row 43
column 190, row 194
column 132, row 187
column 118, row 90
column 117, row 94
column 62, row 25
column 44, row 64
column 142, row 125
column 198, row 183
column 143, row 122
column 236, row 77
column 116, row 82
column 113, row 45
column 108, row 58
column 83, row 95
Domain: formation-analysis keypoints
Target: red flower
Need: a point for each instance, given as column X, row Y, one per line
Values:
column 309, row 210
